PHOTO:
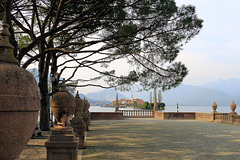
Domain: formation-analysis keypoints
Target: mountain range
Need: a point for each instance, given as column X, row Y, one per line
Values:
column 107, row 95
column 221, row 91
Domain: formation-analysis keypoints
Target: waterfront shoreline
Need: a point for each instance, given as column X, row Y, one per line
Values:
column 202, row 109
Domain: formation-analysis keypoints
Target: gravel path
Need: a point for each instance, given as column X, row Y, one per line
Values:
column 154, row 139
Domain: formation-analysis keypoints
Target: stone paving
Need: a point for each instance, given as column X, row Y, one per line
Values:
column 152, row 139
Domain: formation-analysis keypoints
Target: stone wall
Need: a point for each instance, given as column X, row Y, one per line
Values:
column 106, row 116
column 175, row 115
column 203, row 116
column 159, row 115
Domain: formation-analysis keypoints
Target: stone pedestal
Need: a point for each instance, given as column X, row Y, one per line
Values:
column 79, row 130
column 62, row 145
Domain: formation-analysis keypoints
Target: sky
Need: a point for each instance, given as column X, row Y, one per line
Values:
column 214, row 53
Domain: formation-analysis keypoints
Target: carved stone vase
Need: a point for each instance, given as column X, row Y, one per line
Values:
column 63, row 106
column 233, row 108
column 19, row 102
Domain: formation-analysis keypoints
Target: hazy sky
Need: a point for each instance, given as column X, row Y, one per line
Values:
column 214, row 53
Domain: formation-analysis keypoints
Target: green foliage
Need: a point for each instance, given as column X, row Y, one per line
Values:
column 161, row 106
column 135, row 104
column 24, row 41
column 144, row 105
column 149, row 106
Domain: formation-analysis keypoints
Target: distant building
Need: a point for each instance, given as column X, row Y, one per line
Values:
column 128, row 101
column 139, row 101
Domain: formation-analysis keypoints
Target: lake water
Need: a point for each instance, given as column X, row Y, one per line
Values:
column 204, row 109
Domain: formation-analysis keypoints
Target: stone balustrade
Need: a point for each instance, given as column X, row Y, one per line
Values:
column 213, row 117
column 138, row 113
column 221, row 117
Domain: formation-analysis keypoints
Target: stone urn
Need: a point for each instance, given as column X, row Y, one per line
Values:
column 214, row 107
column 19, row 102
column 233, row 108
column 77, row 122
column 63, row 106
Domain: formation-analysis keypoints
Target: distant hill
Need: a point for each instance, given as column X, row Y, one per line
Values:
column 191, row 95
column 221, row 91
column 229, row 86
column 106, row 95
column 196, row 95
column 95, row 102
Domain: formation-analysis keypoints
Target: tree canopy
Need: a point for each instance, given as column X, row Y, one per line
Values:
column 147, row 33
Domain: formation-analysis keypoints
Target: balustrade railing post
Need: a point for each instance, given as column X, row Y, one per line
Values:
column 230, row 116
column 213, row 116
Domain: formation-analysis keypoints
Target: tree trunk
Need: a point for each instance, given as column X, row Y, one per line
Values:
column 44, row 112
column 43, row 86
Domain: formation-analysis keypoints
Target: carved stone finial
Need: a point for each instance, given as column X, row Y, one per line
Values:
column 77, row 95
column 233, row 107
column 6, row 49
column 214, row 107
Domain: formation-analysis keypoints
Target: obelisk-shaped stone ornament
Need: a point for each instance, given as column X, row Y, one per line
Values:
column 19, row 101
column 117, row 104
column 77, row 122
